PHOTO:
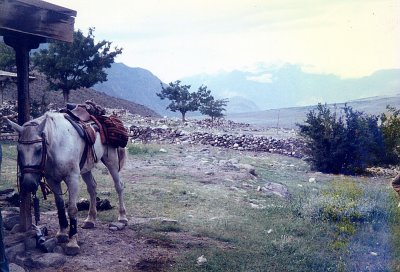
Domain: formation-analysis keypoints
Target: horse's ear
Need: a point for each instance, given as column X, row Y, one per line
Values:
column 15, row 126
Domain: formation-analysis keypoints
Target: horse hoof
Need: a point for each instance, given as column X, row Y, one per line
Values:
column 88, row 225
column 72, row 248
column 123, row 221
column 62, row 237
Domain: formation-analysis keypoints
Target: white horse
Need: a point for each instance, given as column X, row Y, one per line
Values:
column 50, row 146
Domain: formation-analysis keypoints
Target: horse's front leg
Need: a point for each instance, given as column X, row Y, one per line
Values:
column 91, row 185
column 73, row 188
column 62, row 234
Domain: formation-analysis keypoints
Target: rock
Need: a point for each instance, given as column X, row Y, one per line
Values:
column 49, row 245
column 41, row 261
column 162, row 150
column 15, row 268
column 249, row 168
column 13, row 251
column 105, row 193
column 9, row 221
column 201, row 260
column 312, row 180
column 30, row 243
column 169, row 221
column 276, row 189
column 118, row 225
column 58, row 249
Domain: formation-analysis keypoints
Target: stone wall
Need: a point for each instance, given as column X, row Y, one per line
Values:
column 291, row 146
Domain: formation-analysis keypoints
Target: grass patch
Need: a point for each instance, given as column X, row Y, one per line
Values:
column 142, row 149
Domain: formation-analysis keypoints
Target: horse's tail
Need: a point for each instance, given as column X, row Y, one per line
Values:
column 121, row 157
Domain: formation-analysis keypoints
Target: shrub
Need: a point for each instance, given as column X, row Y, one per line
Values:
column 345, row 143
column 391, row 132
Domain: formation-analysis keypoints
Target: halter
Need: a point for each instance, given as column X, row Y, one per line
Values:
column 38, row 168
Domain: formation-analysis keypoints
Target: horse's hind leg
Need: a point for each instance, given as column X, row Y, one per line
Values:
column 111, row 161
column 91, row 185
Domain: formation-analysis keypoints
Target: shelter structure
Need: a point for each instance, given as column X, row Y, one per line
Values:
column 24, row 24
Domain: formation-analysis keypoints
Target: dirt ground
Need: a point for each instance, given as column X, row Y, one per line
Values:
column 124, row 250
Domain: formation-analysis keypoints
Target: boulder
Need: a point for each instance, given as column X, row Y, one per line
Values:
column 15, row 268
column 49, row 245
column 272, row 188
column 15, row 250
column 42, row 261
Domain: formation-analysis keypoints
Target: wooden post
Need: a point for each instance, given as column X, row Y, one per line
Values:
column 22, row 46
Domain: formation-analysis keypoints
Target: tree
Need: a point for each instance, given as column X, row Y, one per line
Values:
column 76, row 65
column 181, row 99
column 209, row 106
column 7, row 57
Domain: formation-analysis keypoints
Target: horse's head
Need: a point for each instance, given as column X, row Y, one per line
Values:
column 31, row 153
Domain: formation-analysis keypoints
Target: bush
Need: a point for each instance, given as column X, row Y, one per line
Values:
column 391, row 132
column 347, row 143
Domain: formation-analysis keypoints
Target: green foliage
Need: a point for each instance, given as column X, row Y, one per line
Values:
column 209, row 106
column 180, row 98
column 342, row 144
column 70, row 66
column 7, row 57
column 391, row 132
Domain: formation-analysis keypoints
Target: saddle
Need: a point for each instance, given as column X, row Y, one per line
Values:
column 81, row 120
column 90, row 118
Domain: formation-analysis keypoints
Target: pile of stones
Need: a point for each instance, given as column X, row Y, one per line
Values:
column 247, row 142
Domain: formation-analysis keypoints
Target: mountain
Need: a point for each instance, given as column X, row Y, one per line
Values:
column 290, row 86
column 288, row 117
column 238, row 104
column 133, row 84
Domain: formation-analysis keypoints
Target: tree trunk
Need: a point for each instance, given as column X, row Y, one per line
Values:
column 66, row 96
column 183, row 117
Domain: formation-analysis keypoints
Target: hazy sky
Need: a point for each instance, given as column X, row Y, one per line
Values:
column 177, row 38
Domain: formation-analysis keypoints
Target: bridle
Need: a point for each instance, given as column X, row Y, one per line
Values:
column 38, row 168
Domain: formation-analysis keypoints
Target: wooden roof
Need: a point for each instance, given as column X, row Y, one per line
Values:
column 37, row 19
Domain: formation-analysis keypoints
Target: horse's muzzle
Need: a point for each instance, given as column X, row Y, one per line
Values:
column 30, row 182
